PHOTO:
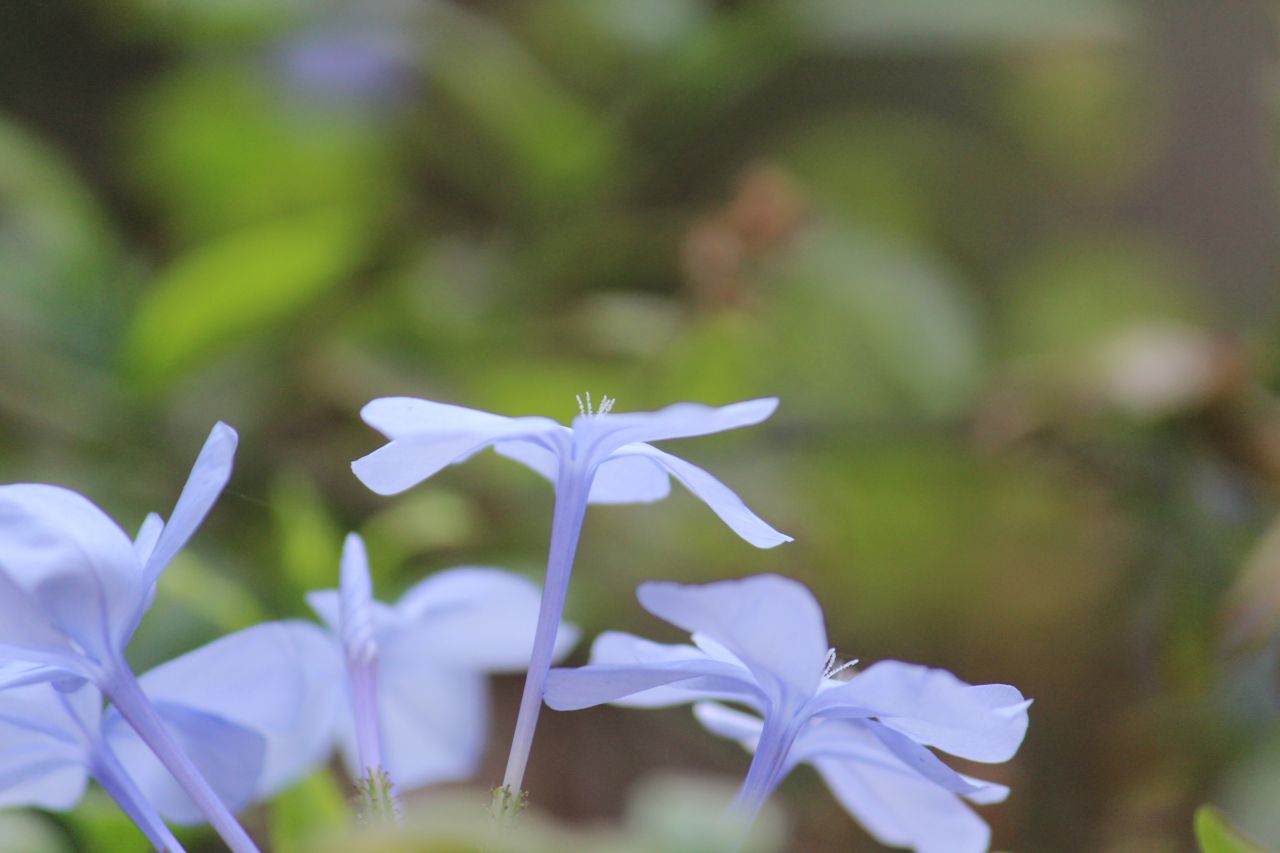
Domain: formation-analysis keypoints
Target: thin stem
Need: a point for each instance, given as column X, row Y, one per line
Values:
column 566, row 527
column 126, row 695
column 363, row 678
column 766, row 766
column 115, row 780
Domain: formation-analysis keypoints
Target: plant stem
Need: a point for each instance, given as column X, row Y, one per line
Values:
column 115, row 780
column 126, row 695
column 764, row 774
column 566, row 527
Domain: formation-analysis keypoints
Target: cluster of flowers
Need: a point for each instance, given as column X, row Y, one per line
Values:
column 400, row 690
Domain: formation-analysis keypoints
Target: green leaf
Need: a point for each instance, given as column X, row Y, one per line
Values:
column 310, row 539
column 309, row 811
column 1215, row 835
column 225, row 291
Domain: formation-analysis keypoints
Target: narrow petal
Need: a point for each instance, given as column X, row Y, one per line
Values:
column 409, row 459
column 67, row 571
column 596, row 684
column 933, row 707
column 732, row 681
column 356, row 595
column 904, row 810
column 148, row 534
column 398, row 417
column 229, row 756
column 600, row 435
column 771, row 623
column 209, row 475
column 720, row 498
column 729, row 723
column 281, row 680
column 476, row 618
column 921, row 760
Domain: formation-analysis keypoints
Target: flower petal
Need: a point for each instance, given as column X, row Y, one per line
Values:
column 601, row 435
column 983, row 723
column 398, row 417
column 69, row 572
column 771, row 623
column 208, row 477
column 41, row 780
column 280, row 680
column 413, row 457
column 433, row 722
column 148, row 534
column 229, row 756
column 475, row 617
column 722, row 679
column 904, row 810
column 636, row 686
column 729, row 723
column 720, row 498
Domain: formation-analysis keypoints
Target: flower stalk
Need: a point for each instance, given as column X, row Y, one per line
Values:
column 570, row 510
column 122, row 688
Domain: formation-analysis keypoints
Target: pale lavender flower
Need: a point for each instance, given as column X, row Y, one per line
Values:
column 73, row 588
column 602, row 458
column 417, row 701
column 255, row 709
column 51, row 743
column 761, row 642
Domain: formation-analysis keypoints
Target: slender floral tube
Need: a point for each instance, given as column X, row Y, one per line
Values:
column 766, row 768
column 566, row 528
column 115, row 780
column 126, row 695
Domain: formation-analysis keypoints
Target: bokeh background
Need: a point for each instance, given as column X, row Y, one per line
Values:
column 1010, row 265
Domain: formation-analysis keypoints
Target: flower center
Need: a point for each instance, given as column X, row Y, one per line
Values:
column 832, row 667
column 587, row 410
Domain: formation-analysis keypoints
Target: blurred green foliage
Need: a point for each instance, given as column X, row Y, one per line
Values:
column 1029, row 429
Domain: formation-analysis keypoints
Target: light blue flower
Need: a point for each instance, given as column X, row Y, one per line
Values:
column 257, row 707
column 761, row 642
column 416, row 700
column 602, row 458
column 73, row 588
column 50, row 744
column 53, row 740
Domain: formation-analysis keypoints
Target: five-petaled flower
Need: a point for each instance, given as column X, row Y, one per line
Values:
column 761, row 642
column 73, row 588
column 602, row 458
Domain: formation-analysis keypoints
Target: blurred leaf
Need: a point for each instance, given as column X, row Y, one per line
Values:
column 31, row 832
column 934, row 25
column 1215, row 835
column 220, row 599
column 560, row 151
column 1252, row 605
column 1070, row 300
column 1083, row 113
column 878, row 311
column 220, row 148
column 99, row 824
column 310, row 539
column 228, row 289
column 421, row 521
column 311, row 810
column 206, row 20
column 56, row 243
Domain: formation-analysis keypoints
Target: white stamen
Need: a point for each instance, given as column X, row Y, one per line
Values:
column 830, row 670
column 588, row 409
